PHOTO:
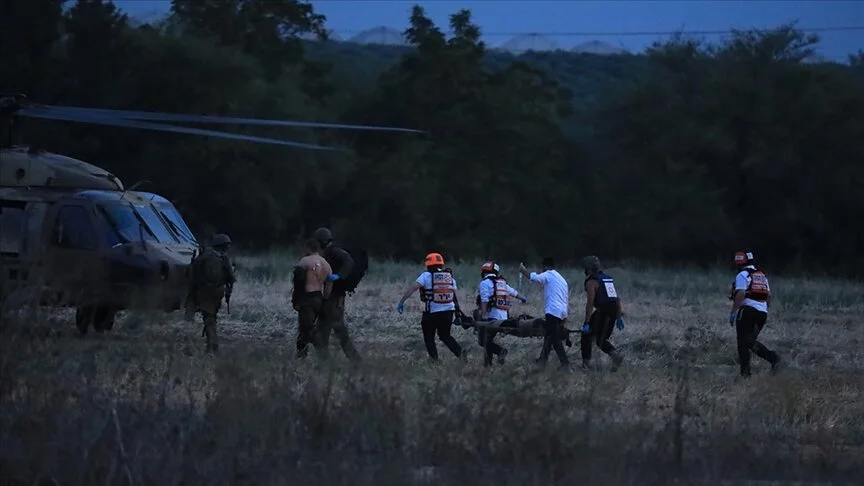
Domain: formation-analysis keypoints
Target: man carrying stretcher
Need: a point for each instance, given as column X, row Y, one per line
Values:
column 492, row 316
column 493, row 303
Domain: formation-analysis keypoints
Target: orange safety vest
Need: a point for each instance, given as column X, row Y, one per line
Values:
column 442, row 291
column 758, row 288
column 501, row 298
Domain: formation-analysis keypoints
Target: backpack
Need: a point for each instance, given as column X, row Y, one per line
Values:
column 208, row 269
column 348, row 283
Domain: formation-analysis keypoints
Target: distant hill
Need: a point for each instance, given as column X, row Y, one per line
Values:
column 585, row 70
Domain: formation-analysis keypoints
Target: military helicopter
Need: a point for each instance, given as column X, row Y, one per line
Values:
column 72, row 235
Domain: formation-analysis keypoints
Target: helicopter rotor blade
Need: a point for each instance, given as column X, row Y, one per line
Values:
column 121, row 122
column 187, row 118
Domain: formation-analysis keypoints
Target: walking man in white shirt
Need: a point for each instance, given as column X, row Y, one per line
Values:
column 556, row 299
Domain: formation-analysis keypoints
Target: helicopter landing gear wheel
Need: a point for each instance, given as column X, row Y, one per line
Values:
column 101, row 317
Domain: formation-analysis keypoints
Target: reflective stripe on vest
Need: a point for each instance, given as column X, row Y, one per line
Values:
column 500, row 297
column 442, row 291
column 606, row 291
column 757, row 289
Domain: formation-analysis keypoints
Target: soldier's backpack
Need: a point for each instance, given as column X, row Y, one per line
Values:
column 348, row 283
column 208, row 269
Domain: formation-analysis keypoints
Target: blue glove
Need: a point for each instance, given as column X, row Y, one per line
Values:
column 333, row 277
column 732, row 317
column 586, row 328
column 522, row 299
column 620, row 323
column 400, row 307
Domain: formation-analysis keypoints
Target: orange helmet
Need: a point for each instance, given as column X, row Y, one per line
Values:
column 489, row 267
column 743, row 258
column 434, row 260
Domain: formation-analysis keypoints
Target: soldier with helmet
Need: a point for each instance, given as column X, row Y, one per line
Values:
column 750, row 297
column 212, row 278
column 602, row 313
column 438, row 294
column 332, row 315
column 493, row 302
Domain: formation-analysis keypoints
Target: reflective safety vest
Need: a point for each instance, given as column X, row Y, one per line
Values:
column 500, row 298
column 606, row 291
column 442, row 290
column 757, row 289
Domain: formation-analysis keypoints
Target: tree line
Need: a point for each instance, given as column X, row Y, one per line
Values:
column 678, row 155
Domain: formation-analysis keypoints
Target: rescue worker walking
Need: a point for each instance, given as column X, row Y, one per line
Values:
column 493, row 302
column 751, row 295
column 332, row 317
column 438, row 293
column 602, row 313
column 556, row 300
column 212, row 274
column 311, row 286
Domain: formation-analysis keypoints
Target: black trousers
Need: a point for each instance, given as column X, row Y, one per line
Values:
column 748, row 325
column 438, row 322
column 602, row 324
column 486, row 339
column 552, row 340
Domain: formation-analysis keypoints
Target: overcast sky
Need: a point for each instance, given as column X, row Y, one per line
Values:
column 502, row 20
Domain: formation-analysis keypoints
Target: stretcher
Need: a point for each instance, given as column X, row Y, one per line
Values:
column 522, row 326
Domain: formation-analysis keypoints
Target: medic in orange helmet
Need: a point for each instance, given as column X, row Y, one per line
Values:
column 493, row 302
column 438, row 294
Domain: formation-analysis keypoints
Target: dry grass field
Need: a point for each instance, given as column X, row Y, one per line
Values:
column 144, row 405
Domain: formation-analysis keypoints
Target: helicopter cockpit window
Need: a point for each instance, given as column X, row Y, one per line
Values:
column 155, row 224
column 74, row 229
column 126, row 222
column 170, row 213
column 11, row 228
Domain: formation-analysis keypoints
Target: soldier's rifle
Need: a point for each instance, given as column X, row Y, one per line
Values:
column 228, row 289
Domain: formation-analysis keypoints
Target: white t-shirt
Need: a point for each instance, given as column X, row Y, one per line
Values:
column 487, row 289
column 742, row 280
column 556, row 292
column 425, row 279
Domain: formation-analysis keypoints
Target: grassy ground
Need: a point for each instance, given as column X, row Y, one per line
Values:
column 143, row 405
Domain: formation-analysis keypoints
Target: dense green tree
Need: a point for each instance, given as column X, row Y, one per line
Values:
column 29, row 36
column 488, row 131
column 677, row 155
column 270, row 30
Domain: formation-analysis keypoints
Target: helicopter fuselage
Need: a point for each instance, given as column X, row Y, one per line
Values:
column 71, row 235
column 93, row 248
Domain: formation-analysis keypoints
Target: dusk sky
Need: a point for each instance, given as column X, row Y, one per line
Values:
column 501, row 20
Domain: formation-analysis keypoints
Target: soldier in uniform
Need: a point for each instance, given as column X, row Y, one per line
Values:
column 332, row 316
column 211, row 276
